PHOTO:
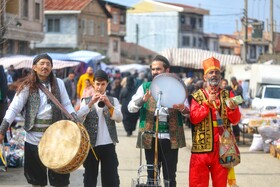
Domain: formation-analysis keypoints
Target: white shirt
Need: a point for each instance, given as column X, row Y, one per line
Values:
column 44, row 112
column 103, row 136
column 133, row 108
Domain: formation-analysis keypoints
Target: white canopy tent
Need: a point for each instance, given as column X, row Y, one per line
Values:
column 131, row 67
column 21, row 61
column 193, row 58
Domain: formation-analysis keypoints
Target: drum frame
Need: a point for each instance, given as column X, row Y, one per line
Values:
column 80, row 156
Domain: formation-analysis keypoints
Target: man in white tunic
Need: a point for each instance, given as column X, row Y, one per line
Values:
column 100, row 113
column 39, row 114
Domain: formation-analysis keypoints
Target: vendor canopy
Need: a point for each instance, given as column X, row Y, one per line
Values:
column 192, row 58
column 20, row 61
column 81, row 56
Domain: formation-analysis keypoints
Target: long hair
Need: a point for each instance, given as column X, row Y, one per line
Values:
column 31, row 81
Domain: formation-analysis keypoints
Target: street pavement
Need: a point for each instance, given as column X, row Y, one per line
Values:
column 257, row 169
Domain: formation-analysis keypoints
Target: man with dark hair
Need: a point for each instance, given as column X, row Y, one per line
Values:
column 70, row 85
column 101, row 112
column 170, row 134
column 237, row 90
column 40, row 113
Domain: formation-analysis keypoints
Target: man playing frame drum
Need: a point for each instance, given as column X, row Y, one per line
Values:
column 40, row 113
column 170, row 133
column 100, row 112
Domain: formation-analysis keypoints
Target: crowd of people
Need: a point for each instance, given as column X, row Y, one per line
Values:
column 99, row 100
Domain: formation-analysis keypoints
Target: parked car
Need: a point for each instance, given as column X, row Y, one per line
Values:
column 267, row 98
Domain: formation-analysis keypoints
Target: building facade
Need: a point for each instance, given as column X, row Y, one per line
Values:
column 75, row 25
column 116, row 30
column 21, row 23
column 158, row 26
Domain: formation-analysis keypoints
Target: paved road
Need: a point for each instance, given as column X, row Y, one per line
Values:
column 257, row 169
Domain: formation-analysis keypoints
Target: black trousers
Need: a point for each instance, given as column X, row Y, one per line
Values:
column 36, row 173
column 236, row 130
column 107, row 156
column 167, row 159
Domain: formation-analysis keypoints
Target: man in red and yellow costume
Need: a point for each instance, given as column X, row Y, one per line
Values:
column 205, row 136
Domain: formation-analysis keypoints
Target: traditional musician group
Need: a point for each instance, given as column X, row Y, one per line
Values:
column 59, row 138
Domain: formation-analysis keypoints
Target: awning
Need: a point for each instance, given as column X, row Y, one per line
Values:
column 81, row 56
column 131, row 67
column 192, row 58
column 20, row 61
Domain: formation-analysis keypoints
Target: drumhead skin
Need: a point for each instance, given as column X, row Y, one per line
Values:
column 59, row 144
column 172, row 88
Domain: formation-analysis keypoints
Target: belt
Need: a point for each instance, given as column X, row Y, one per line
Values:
column 215, row 124
column 39, row 129
column 43, row 121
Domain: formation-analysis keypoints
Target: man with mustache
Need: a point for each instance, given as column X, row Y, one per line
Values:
column 39, row 114
column 171, row 133
column 205, row 136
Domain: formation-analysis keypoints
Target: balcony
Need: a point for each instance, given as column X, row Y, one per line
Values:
column 120, row 30
column 22, row 29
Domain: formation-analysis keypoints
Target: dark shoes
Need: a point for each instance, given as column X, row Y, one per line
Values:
column 129, row 133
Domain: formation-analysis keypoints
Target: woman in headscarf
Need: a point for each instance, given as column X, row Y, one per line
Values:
column 129, row 119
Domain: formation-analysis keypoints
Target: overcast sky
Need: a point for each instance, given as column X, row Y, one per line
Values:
column 224, row 13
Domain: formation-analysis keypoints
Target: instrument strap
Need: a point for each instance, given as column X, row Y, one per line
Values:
column 55, row 101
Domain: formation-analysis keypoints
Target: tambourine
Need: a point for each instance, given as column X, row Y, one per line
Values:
column 170, row 88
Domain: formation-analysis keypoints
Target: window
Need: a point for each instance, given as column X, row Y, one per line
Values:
column 91, row 27
column 10, row 47
column 122, row 18
column 186, row 41
column 115, row 18
column 25, row 8
column 53, row 25
column 182, row 19
column 200, row 22
column 37, row 11
column 200, row 42
column 115, row 45
column 84, row 26
column 102, row 29
column 22, row 47
column 193, row 22
column 194, row 41
column 273, row 93
column 215, row 45
column 253, row 52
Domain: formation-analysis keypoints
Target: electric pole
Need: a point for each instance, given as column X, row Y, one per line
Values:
column 137, row 42
column 245, row 23
column 271, row 50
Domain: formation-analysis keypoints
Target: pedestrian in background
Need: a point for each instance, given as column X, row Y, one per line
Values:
column 88, row 90
column 237, row 90
column 70, row 85
column 129, row 119
column 82, row 83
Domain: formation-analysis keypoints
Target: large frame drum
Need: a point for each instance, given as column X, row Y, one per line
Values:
column 171, row 88
column 64, row 146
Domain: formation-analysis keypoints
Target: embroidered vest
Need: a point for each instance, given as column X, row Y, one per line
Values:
column 32, row 108
column 147, row 123
column 202, row 133
column 91, row 123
